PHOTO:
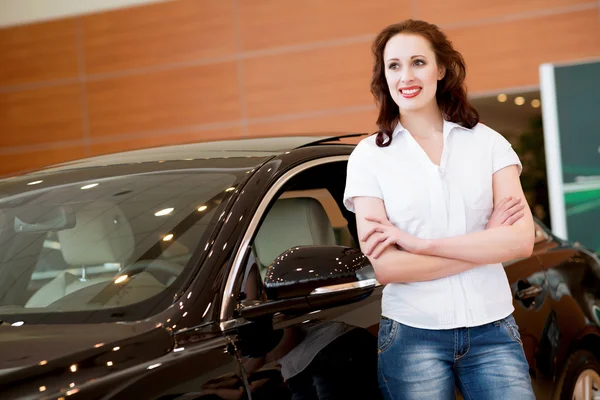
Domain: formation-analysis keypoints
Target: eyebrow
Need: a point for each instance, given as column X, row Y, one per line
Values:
column 413, row 57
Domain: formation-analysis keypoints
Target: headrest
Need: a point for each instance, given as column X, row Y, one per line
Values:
column 101, row 235
column 292, row 222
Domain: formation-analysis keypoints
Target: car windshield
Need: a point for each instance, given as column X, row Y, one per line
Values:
column 107, row 242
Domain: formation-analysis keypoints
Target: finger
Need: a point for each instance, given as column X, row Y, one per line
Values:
column 373, row 245
column 512, row 211
column 372, row 230
column 511, row 203
column 514, row 218
column 387, row 223
column 382, row 246
column 500, row 208
column 373, row 242
column 373, row 219
column 502, row 202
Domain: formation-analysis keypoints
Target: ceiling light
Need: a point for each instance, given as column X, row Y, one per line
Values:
column 502, row 97
column 202, row 208
column 168, row 237
column 164, row 212
column 520, row 100
column 535, row 103
column 34, row 183
column 121, row 278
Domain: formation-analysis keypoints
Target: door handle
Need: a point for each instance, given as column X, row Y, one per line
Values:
column 530, row 292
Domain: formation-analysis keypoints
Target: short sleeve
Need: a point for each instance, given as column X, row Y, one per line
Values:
column 503, row 154
column 360, row 179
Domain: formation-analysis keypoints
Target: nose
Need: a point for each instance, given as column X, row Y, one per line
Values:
column 407, row 76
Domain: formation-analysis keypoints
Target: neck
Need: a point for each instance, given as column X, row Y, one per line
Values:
column 425, row 122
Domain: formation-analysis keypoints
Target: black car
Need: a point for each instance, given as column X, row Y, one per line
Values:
column 231, row 270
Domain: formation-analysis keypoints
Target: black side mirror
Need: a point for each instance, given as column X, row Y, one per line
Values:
column 304, row 278
column 310, row 270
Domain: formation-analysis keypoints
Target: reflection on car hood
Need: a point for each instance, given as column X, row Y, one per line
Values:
column 54, row 358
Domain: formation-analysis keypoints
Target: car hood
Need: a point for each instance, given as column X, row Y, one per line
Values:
column 57, row 358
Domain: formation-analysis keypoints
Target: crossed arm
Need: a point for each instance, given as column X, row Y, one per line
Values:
column 427, row 259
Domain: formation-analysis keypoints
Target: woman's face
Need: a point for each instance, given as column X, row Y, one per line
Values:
column 411, row 71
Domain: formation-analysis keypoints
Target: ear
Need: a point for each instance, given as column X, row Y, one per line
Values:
column 442, row 73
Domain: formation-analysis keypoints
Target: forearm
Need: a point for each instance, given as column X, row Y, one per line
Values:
column 398, row 266
column 486, row 247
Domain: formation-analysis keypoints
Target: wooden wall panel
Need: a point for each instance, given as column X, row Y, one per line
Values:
column 448, row 12
column 161, row 33
column 163, row 100
column 41, row 116
column 359, row 121
column 275, row 23
column 39, row 52
column 187, row 70
column 508, row 54
column 112, row 146
column 31, row 160
column 311, row 80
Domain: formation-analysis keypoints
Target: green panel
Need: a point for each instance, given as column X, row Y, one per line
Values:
column 578, row 103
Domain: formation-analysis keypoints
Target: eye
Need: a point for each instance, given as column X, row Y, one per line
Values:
column 419, row 62
column 393, row 66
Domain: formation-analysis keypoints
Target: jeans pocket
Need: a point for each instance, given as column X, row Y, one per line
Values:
column 511, row 328
column 387, row 334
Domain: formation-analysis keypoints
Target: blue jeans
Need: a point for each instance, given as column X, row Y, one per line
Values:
column 486, row 362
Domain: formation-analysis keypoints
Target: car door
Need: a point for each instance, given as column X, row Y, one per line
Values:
column 572, row 321
column 530, row 290
column 330, row 346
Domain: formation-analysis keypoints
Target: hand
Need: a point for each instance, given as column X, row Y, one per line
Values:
column 384, row 234
column 508, row 211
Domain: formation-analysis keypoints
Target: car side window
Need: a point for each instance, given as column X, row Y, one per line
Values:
column 306, row 212
column 299, row 217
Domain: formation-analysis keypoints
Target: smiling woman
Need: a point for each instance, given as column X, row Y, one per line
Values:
column 439, row 207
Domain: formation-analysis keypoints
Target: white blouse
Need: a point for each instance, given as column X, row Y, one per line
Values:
column 431, row 201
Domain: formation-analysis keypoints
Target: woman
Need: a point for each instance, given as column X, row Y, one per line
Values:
column 438, row 203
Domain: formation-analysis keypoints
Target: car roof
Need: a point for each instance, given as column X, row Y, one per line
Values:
column 258, row 148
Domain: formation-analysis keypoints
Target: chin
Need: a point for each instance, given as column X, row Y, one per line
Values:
column 410, row 106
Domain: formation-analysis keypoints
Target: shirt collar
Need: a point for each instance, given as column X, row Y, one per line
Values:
column 447, row 128
column 449, row 125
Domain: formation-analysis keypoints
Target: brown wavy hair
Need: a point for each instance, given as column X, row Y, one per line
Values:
column 451, row 95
